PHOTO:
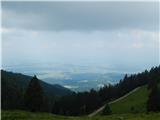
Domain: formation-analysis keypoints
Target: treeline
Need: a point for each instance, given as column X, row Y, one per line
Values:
column 83, row 103
column 78, row 103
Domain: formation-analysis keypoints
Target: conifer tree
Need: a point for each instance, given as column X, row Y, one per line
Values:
column 34, row 98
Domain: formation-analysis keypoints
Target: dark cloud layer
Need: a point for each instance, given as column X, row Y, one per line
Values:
column 80, row 15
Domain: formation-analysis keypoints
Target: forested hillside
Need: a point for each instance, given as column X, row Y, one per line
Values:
column 15, row 84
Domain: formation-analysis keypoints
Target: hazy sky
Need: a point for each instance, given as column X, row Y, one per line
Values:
column 115, row 34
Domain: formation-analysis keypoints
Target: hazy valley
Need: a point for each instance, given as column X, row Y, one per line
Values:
column 74, row 77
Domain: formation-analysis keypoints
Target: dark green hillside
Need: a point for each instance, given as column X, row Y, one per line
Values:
column 136, row 102
column 15, row 84
column 133, row 103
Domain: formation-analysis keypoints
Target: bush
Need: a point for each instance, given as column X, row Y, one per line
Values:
column 107, row 110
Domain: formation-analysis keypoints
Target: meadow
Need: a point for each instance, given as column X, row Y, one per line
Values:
column 23, row 115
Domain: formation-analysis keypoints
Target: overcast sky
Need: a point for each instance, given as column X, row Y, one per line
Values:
column 115, row 34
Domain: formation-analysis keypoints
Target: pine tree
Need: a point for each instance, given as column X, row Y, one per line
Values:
column 107, row 110
column 34, row 99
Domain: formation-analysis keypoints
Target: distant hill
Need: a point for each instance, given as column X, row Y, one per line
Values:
column 15, row 84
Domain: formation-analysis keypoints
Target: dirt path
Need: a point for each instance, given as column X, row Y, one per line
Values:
column 101, row 108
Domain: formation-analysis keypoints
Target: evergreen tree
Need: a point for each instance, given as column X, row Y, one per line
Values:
column 34, row 99
column 107, row 110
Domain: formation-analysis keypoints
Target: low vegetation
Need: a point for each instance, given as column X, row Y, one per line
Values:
column 21, row 115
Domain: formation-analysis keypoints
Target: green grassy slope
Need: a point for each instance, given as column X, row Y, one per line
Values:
column 22, row 115
column 135, row 102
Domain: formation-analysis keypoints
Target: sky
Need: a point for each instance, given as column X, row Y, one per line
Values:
column 114, row 34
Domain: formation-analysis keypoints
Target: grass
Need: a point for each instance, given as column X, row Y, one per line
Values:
column 23, row 115
column 134, row 103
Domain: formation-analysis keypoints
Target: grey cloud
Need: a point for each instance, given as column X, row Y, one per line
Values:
column 80, row 15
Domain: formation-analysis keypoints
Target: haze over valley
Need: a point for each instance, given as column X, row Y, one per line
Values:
column 74, row 77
